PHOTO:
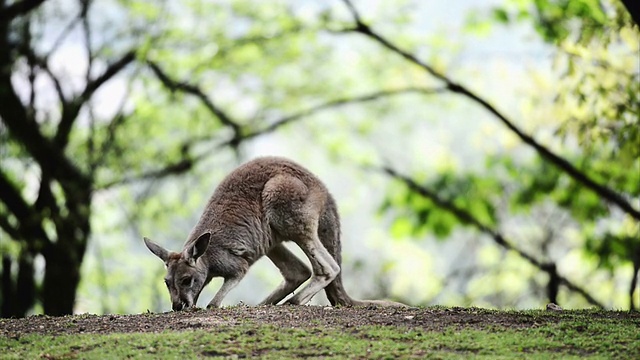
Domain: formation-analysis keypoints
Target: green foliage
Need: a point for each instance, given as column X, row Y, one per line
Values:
column 591, row 106
column 416, row 215
column 556, row 20
column 258, row 61
column 552, row 17
column 540, row 181
column 597, row 104
column 614, row 247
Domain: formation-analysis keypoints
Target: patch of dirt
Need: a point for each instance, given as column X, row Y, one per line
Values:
column 430, row 319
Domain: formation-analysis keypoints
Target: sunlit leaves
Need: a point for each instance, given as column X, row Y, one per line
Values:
column 555, row 20
column 615, row 245
column 501, row 15
column 596, row 106
column 539, row 181
column 415, row 215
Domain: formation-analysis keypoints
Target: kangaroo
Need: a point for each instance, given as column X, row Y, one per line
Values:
column 255, row 209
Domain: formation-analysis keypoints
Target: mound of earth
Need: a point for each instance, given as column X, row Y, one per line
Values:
column 431, row 319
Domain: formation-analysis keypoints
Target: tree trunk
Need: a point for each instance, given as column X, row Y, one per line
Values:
column 26, row 285
column 63, row 259
column 62, row 276
column 634, row 10
column 553, row 287
column 8, row 296
column 634, row 283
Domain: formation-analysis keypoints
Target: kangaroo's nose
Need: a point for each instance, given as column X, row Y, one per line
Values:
column 177, row 306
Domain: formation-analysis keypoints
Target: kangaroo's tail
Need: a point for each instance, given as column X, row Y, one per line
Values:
column 329, row 234
column 338, row 296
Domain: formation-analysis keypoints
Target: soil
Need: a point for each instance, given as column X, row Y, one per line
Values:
column 430, row 319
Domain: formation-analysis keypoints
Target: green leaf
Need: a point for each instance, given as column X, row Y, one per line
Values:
column 501, row 15
column 401, row 228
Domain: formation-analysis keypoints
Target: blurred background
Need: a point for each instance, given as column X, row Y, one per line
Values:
column 482, row 153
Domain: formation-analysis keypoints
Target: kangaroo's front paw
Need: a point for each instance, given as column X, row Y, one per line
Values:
column 290, row 302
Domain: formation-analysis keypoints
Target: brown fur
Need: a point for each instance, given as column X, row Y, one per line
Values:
column 254, row 209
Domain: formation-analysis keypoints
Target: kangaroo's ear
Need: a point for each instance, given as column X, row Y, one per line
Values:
column 157, row 250
column 198, row 247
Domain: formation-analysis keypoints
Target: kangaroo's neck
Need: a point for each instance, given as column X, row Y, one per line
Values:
column 238, row 236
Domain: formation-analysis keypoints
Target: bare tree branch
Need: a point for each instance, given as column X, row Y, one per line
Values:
column 109, row 143
column 18, row 8
column 72, row 108
column 173, row 169
column 579, row 176
column 64, row 33
column 26, row 130
column 465, row 217
column 633, row 7
column 194, row 90
column 337, row 103
column 8, row 228
column 86, row 29
column 238, row 135
column 112, row 70
column 187, row 162
column 26, row 50
column 30, row 228
column 634, row 279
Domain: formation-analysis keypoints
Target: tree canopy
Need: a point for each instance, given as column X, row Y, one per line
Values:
column 108, row 108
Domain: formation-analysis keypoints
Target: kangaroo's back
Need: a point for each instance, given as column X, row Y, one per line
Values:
column 248, row 181
column 242, row 204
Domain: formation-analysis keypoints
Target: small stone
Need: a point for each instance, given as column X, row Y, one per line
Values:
column 553, row 307
column 409, row 317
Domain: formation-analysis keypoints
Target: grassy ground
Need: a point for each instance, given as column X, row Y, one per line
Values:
column 529, row 334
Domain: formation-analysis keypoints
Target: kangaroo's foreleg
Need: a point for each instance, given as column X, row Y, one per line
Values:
column 325, row 268
column 228, row 284
column 294, row 271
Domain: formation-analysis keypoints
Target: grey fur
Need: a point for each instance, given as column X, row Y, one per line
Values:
column 254, row 209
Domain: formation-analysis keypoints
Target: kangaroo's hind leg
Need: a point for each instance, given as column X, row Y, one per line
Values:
column 293, row 210
column 325, row 268
column 294, row 271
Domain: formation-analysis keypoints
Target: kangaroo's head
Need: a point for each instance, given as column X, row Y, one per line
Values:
column 186, row 276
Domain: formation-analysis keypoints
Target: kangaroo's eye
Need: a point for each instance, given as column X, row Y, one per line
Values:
column 186, row 281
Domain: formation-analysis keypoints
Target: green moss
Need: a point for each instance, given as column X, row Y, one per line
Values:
column 544, row 335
